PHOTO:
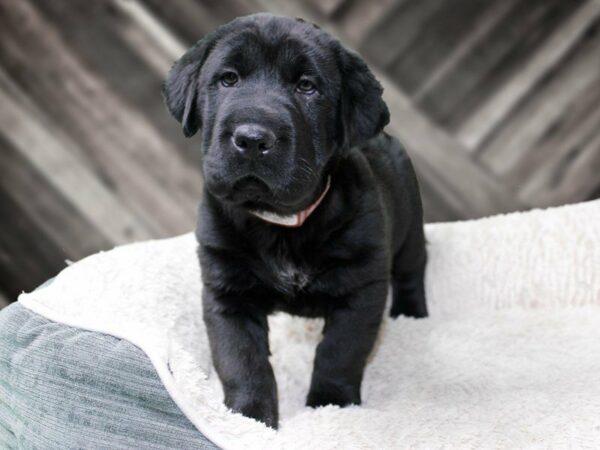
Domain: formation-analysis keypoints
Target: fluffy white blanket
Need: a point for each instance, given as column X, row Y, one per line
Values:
column 509, row 358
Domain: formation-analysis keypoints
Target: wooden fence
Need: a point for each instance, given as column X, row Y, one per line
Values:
column 496, row 100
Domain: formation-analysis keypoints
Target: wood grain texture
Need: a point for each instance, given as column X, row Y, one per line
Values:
column 29, row 134
column 328, row 8
column 397, row 29
column 473, row 132
column 525, row 132
column 439, row 34
column 494, row 59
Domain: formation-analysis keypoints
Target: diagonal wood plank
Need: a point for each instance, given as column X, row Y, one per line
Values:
column 28, row 132
column 494, row 59
column 394, row 33
column 118, row 56
column 141, row 165
column 328, row 8
column 165, row 40
column 55, row 217
column 189, row 20
column 150, row 38
column 577, row 123
column 360, row 17
column 158, row 32
column 27, row 255
column 438, row 36
column 572, row 170
column 507, row 151
column 482, row 122
column 484, row 25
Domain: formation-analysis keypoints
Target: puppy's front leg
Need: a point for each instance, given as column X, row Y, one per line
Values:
column 349, row 335
column 240, row 350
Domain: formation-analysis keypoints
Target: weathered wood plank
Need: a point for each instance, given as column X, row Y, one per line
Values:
column 140, row 163
column 506, row 152
column 327, row 8
column 576, row 123
column 482, row 121
column 576, row 177
column 28, row 132
column 154, row 33
column 162, row 43
column 486, row 22
column 494, row 60
column 438, row 36
column 49, row 210
column 129, row 61
column 360, row 17
column 190, row 20
column 395, row 32
column 570, row 166
column 27, row 258
column 43, row 228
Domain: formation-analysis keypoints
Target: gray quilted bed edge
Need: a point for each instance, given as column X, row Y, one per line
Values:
column 66, row 388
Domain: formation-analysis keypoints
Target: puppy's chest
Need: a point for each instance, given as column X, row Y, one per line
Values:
column 288, row 275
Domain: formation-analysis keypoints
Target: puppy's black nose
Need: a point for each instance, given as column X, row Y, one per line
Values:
column 253, row 140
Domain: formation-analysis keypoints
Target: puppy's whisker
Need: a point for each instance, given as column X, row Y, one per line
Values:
column 305, row 169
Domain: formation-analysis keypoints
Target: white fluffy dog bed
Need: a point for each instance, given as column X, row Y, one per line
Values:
column 510, row 356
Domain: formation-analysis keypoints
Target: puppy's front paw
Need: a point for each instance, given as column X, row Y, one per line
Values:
column 416, row 308
column 342, row 394
column 409, row 303
column 261, row 409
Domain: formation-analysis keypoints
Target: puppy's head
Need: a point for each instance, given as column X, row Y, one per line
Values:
column 276, row 100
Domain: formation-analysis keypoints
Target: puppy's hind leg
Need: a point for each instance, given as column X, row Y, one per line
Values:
column 408, row 273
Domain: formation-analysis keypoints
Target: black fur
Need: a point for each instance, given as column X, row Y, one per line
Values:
column 366, row 233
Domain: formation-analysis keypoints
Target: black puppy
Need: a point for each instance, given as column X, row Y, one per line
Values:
column 308, row 207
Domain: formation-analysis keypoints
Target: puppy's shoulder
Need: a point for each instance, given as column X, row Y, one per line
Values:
column 386, row 157
column 385, row 148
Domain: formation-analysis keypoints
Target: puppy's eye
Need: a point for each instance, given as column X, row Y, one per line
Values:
column 305, row 86
column 229, row 79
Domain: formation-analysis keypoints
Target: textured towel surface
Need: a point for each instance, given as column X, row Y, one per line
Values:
column 510, row 356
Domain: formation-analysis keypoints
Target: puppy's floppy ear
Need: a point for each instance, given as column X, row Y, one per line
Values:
column 180, row 90
column 364, row 113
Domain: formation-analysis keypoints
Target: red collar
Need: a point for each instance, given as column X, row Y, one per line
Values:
column 293, row 220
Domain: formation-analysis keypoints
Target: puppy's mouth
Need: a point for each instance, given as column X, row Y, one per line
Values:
column 250, row 190
column 254, row 194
